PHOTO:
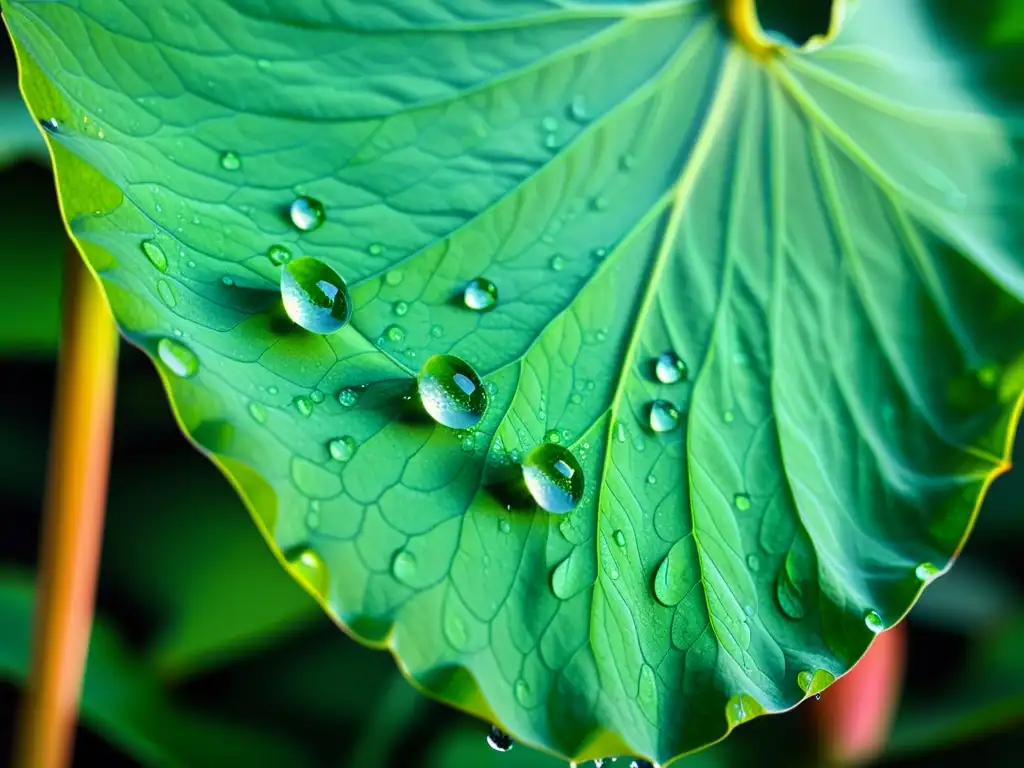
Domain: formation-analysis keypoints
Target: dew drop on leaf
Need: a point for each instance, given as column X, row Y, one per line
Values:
column 230, row 161
column 310, row 568
column 628, row 162
column 400, row 308
column 278, row 254
column 728, row 417
column 663, row 416
column 50, row 125
column 348, row 397
column 558, row 262
column 480, row 294
column 303, row 405
column 549, row 123
column 403, row 566
column 925, row 572
column 552, row 436
column 314, row 296
column 753, row 563
column 620, row 538
column 742, row 502
column 179, row 359
column 553, row 477
column 578, row 108
column 504, row 526
column 342, row 448
column 599, row 203
column 155, row 254
column 167, row 295
column 451, row 392
column 317, row 396
column 873, row 622
column 306, row 213
column 394, row 333
column 668, row 368
column 375, row 249
column 258, row 412
column 499, row 740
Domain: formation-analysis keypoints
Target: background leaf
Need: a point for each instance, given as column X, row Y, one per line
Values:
column 852, row 367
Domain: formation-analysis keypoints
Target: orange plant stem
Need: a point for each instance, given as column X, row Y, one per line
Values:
column 76, row 493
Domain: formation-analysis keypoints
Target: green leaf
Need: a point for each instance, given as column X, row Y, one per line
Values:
column 830, row 240
column 124, row 701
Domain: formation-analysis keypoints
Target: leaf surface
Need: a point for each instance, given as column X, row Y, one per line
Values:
column 830, row 240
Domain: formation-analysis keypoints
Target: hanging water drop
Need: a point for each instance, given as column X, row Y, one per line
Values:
column 873, row 622
column 314, row 296
column 342, row 448
column 480, row 294
column 155, row 254
column 230, row 161
column 278, row 255
column 310, row 568
column 451, row 392
column 178, row 359
column 668, row 368
column 663, row 416
column 925, row 572
column 553, row 477
column 306, row 213
column 499, row 740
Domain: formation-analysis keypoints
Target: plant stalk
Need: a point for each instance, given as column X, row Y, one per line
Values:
column 74, row 505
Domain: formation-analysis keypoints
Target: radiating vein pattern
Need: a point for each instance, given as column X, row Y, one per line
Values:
column 775, row 308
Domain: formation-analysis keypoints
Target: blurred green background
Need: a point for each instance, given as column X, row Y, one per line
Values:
column 206, row 653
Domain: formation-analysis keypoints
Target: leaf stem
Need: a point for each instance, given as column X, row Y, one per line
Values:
column 746, row 26
column 81, row 431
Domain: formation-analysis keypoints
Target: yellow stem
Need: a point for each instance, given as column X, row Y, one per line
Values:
column 746, row 26
column 76, row 491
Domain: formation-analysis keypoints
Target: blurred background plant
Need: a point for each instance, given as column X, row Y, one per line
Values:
column 205, row 652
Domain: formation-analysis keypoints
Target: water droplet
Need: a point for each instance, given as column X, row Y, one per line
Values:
column 314, row 295
column 437, row 331
column 627, row 162
column 728, row 417
column 926, row 572
column 179, row 359
column 742, row 502
column 342, row 448
column 400, row 308
column 306, row 213
column 551, row 141
column 166, row 292
column 278, row 254
column 317, row 396
column 50, row 125
column 303, row 405
column 394, row 277
column 228, row 281
column 348, row 397
column 578, row 108
column 552, row 436
column 549, row 123
column 258, row 412
column 229, row 161
column 504, row 526
column 663, row 416
column 668, row 368
column 671, row 581
column 403, row 566
column 313, row 519
column 620, row 538
column 652, row 480
column 553, row 477
column 789, row 596
column 394, row 333
column 570, row 577
column 754, row 563
column 375, row 249
column 523, row 692
column 499, row 740
column 451, row 393
column 557, row 262
column 309, row 567
column 155, row 254
column 599, row 253
column 873, row 622
column 599, row 203
column 480, row 294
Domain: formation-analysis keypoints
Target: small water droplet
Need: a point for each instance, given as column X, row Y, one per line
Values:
column 742, row 502
column 306, row 213
column 668, row 368
column 499, row 740
column 314, row 296
column 228, row 281
column 310, row 568
column 553, row 477
column 166, row 292
column 652, row 480
column 557, row 262
column 620, row 538
column 599, row 203
column 403, row 566
column 925, row 572
column 272, row 390
column 873, row 622
column 155, row 254
column 578, row 108
column 504, row 526
column 230, row 161
column 178, row 359
column 394, row 333
column 552, row 436
column 549, row 123
column 480, row 294
column 400, row 308
column 278, row 254
column 375, row 249
column 348, row 397
column 599, row 253
column 627, row 162
column 451, row 392
column 753, row 563
column 523, row 692
column 342, row 448
column 394, row 277
column 258, row 412
column 728, row 417
column 50, row 125
column 303, row 405
column 317, row 396
column 663, row 416
column 469, row 443
column 313, row 519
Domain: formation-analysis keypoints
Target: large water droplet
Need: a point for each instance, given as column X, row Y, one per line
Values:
column 155, row 254
column 742, row 502
column 873, row 622
column 403, row 566
column 306, row 213
column 451, row 392
column 310, row 568
column 790, row 598
column 499, row 740
column 230, row 161
column 314, row 295
column 278, row 254
column 620, row 538
column 348, row 397
column 342, row 448
column 480, row 294
column 663, row 416
column 553, row 477
column 925, row 572
column 668, row 368
column 179, row 359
